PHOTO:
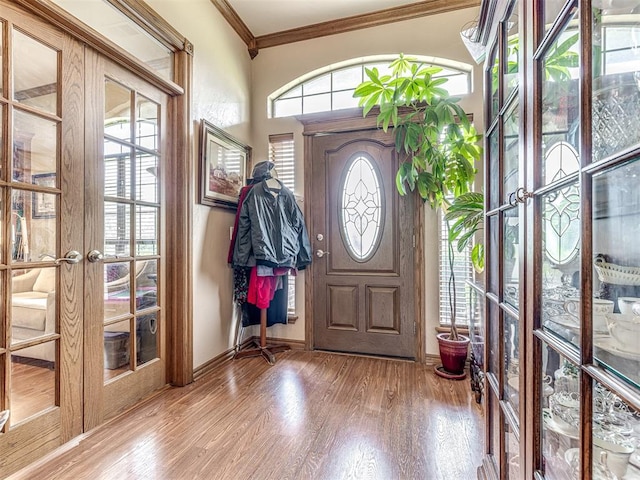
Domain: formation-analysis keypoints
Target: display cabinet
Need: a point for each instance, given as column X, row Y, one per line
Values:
column 562, row 234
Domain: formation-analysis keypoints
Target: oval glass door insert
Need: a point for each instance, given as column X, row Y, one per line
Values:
column 360, row 209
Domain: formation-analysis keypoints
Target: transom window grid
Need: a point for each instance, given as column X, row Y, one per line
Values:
column 334, row 90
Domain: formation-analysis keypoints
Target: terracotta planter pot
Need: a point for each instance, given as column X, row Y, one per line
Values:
column 453, row 354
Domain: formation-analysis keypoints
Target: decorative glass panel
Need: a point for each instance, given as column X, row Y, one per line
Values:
column 510, row 167
column 510, row 256
column 561, row 159
column 117, row 111
column 117, row 170
column 513, row 47
column 560, row 413
column 117, row 229
column 512, row 362
column 560, row 105
column 34, row 85
column 615, row 436
column 361, row 209
column 35, row 146
column 561, row 262
column 616, row 67
column 616, row 230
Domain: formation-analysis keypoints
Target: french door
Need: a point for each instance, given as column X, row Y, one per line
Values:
column 124, row 326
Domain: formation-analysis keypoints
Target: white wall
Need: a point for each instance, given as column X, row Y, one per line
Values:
column 221, row 94
column 436, row 35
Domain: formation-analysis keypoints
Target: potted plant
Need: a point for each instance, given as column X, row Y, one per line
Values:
column 440, row 147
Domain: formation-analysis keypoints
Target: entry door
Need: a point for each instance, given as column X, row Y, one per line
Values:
column 124, row 319
column 362, row 233
column 41, row 230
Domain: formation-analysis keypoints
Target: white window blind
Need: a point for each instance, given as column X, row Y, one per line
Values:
column 281, row 153
column 463, row 270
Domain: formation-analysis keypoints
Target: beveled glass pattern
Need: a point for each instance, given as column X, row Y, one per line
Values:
column 117, row 229
column 510, row 257
column 616, row 208
column 560, row 393
column 560, row 103
column 510, row 156
column 35, row 73
column 117, row 170
column 561, row 262
column 35, row 146
column 615, row 436
column 511, row 65
column 511, row 371
column 361, row 209
column 117, row 110
column 29, row 398
column 616, row 77
column 118, row 340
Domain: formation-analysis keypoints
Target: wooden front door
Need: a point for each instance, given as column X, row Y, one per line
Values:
column 126, row 144
column 362, row 233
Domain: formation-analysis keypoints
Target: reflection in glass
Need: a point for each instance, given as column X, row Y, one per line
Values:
column 513, row 47
column 511, row 153
column 361, row 209
column 560, row 267
column 35, row 145
column 34, row 85
column 552, row 9
column 616, row 230
column 494, row 166
column 560, row 99
column 495, row 79
column 147, row 128
column 33, row 232
column 147, row 177
column 476, row 345
column 117, row 289
column 117, row 110
column 146, row 284
column 146, row 338
column 615, row 435
column 616, row 70
column 513, row 453
column 117, row 349
column 117, row 170
column 33, row 308
column 510, row 256
column 561, row 159
column 147, row 223
column 117, row 229
column 493, row 235
column 512, row 362
column 33, row 383
column 494, row 343
column 496, row 416
column 560, row 415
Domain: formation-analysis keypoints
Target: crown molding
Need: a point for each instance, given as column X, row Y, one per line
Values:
column 341, row 25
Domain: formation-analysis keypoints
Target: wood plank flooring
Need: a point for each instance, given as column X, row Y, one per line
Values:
column 312, row 415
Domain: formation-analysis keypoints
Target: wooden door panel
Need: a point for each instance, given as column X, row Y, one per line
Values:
column 363, row 289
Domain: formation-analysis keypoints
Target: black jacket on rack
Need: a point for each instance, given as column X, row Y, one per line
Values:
column 271, row 230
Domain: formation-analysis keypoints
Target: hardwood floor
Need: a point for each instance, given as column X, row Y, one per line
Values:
column 311, row 416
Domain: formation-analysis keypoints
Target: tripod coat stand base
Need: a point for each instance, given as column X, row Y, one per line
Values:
column 263, row 349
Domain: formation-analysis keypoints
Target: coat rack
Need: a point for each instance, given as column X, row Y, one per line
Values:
column 263, row 349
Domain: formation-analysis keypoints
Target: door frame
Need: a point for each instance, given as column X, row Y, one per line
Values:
column 177, row 187
column 344, row 121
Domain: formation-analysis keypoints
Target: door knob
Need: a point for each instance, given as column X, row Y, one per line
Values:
column 95, row 256
column 321, row 253
column 72, row 256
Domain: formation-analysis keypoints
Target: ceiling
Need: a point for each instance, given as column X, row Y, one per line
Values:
column 269, row 23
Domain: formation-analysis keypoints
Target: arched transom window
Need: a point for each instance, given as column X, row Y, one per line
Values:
column 332, row 87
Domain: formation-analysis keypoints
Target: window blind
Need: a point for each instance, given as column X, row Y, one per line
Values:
column 463, row 271
column 281, row 153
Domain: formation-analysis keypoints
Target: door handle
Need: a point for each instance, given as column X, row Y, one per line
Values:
column 321, row 253
column 95, row 256
column 72, row 256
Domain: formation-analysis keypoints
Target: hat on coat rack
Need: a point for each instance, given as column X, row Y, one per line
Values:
column 263, row 170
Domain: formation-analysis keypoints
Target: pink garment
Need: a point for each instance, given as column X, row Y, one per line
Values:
column 261, row 289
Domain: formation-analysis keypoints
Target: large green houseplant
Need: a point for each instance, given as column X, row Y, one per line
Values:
column 436, row 140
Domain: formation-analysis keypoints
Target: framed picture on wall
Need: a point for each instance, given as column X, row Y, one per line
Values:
column 44, row 204
column 223, row 163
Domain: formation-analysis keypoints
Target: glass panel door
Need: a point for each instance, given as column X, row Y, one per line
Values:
column 40, row 239
column 125, row 253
